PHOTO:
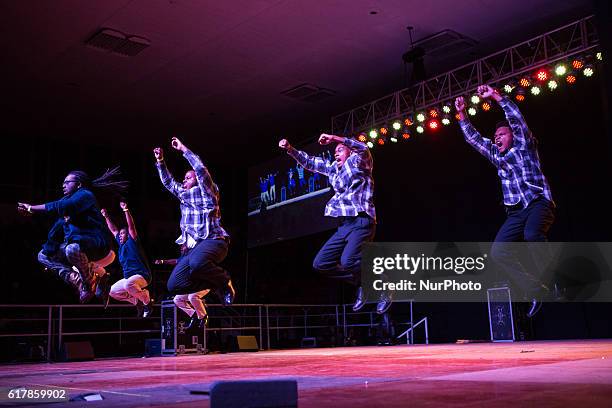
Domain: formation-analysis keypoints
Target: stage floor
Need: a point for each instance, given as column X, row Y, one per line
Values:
column 542, row 374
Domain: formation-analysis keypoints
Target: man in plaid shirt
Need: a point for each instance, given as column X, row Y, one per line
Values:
column 350, row 175
column 201, row 230
column 527, row 197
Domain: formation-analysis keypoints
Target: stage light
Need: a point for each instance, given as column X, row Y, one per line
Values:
column 433, row 113
column 446, row 109
column 370, row 144
column 433, row 124
column 524, row 82
column 588, row 71
column 475, row 99
column 384, row 130
column 542, row 75
column 457, row 116
column 408, row 122
column 486, row 106
column 552, row 84
column 508, row 88
column 381, row 141
column 420, row 129
column 362, row 137
column 520, row 97
column 373, row 134
column 420, row 117
column 393, row 138
column 560, row 70
column 577, row 63
column 535, row 90
column 397, row 125
column 471, row 111
column 570, row 79
column 446, row 120
column 599, row 56
column 405, row 135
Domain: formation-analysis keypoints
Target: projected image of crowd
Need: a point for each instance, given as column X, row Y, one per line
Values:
column 292, row 182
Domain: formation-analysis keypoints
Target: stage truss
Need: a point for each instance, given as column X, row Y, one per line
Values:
column 562, row 43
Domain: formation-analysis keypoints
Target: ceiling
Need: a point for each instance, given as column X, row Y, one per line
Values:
column 215, row 70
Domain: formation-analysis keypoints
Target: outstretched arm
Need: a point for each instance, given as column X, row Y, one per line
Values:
column 312, row 163
column 109, row 223
column 202, row 175
column 471, row 135
column 164, row 174
column 29, row 209
column 520, row 132
column 129, row 220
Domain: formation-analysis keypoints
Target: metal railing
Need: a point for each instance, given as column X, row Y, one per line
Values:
column 55, row 323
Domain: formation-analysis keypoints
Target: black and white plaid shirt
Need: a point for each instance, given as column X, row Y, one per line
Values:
column 518, row 167
column 200, row 213
column 352, row 183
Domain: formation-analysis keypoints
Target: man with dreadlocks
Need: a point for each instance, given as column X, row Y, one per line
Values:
column 79, row 233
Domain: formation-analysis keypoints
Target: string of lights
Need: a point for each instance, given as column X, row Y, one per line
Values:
column 541, row 65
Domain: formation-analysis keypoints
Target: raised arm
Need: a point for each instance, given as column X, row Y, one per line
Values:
column 109, row 223
column 202, row 175
column 129, row 220
column 311, row 163
column 471, row 135
column 521, row 134
column 164, row 174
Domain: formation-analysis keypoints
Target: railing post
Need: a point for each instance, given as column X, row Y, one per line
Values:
column 268, row 325
column 260, row 328
column 49, row 334
column 60, row 328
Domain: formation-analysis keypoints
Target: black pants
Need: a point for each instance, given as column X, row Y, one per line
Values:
column 199, row 269
column 529, row 224
column 340, row 256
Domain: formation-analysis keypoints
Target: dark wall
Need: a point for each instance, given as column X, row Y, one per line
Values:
column 433, row 187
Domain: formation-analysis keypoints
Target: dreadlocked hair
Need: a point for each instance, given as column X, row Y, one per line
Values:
column 108, row 182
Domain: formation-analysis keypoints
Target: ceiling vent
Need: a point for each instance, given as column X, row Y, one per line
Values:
column 445, row 43
column 114, row 41
column 308, row 93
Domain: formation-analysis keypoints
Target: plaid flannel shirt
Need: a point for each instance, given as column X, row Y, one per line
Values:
column 519, row 167
column 352, row 183
column 200, row 213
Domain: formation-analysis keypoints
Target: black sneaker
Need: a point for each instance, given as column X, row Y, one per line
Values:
column 140, row 309
column 197, row 322
column 228, row 294
column 147, row 310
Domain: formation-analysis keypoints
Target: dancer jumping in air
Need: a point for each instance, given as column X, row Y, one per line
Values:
column 136, row 271
column 78, row 246
column 527, row 198
column 201, row 231
column 350, row 175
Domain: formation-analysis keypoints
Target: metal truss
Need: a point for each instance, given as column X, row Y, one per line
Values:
column 553, row 46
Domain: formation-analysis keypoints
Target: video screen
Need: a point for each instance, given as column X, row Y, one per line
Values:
column 287, row 201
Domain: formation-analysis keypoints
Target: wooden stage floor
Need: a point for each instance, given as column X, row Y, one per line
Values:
column 538, row 374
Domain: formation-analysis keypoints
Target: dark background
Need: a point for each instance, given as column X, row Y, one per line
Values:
column 214, row 76
column 433, row 187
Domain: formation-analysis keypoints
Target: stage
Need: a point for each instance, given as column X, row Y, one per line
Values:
column 543, row 373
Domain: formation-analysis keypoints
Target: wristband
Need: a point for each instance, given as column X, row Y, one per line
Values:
column 29, row 209
column 126, row 209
